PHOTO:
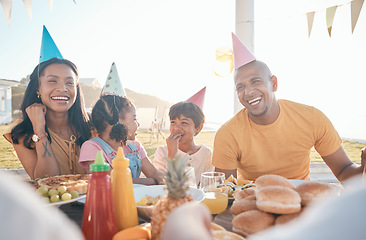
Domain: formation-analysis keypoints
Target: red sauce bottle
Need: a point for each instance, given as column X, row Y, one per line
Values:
column 99, row 219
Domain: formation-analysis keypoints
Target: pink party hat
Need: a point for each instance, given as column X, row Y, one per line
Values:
column 198, row 98
column 242, row 55
column 113, row 85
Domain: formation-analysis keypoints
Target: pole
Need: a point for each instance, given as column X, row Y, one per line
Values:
column 244, row 30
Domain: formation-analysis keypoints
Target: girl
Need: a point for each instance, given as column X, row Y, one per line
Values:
column 55, row 124
column 114, row 118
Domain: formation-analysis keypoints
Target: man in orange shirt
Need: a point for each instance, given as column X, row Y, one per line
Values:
column 271, row 136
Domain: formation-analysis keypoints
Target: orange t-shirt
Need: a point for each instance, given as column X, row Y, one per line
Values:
column 282, row 147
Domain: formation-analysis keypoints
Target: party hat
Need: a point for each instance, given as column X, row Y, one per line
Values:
column 48, row 47
column 242, row 55
column 113, row 85
column 198, row 98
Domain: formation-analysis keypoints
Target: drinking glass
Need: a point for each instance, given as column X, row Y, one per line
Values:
column 216, row 192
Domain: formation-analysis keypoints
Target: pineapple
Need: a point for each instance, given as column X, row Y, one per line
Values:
column 176, row 180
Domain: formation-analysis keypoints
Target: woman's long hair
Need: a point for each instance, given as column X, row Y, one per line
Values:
column 78, row 117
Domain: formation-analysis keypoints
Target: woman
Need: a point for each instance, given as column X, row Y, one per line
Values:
column 55, row 124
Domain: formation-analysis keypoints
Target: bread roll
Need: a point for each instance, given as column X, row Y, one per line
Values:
column 285, row 218
column 252, row 221
column 243, row 205
column 273, row 180
column 311, row 190
column 278, row 200
column 244, row 193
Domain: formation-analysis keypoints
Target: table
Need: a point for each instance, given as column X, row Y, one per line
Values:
column 75, row 211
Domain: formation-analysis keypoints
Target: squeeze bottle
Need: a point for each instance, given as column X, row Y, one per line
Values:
column 99, row 219
column 123, row 195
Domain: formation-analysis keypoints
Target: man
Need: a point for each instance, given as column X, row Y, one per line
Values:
column 271, row 136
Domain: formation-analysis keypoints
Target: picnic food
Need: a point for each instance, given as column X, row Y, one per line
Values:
column 278, row 200
column 236, row 185
column 285, row 218
column 252, row 221
column 76, row 182
column 273, row 180
column 246, row 192
column 148, row 200
column 176, row 181
column 310, row 191
column 226, row 235
column 243, row 205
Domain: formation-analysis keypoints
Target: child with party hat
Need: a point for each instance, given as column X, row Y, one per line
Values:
column 186, row 122
column 114, row 117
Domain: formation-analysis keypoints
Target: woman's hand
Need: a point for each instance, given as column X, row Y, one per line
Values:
column 37, row 115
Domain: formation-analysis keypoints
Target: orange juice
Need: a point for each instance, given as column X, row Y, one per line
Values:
column 122, row 186
column 216, row 202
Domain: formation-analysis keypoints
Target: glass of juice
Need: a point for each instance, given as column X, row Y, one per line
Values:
column 216, row 191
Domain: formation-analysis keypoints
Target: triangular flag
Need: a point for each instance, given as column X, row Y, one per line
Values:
column 49, row 49
column 50, row 2
column 356, row 6
column 310, row 17
column 242, row 55
column 330, row 13
column 6, row 4
column 113, row 85
column 28, row 6
column 198, row 98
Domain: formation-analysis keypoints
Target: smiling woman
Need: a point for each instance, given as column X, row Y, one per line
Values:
column 55, row 124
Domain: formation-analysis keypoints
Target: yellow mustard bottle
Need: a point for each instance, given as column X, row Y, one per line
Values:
column 123, row 195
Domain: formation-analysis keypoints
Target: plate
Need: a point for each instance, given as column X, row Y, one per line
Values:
column 79, row 199
column 82, row 200
column 145, row 212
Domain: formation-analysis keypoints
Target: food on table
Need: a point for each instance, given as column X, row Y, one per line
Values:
column 76, row 182
column 226, row 235
column 243, row 205
column 252, row 221
column 285, row 218
column 217, row 227
column 177, row 184
column 278, row 200
column 276, row 196
column 216, row 202
column 273, row 180
column 246, row 192
column 148, row 200
column 235, row 185
column 62, row 188
column 133, row 233
column 311, row 190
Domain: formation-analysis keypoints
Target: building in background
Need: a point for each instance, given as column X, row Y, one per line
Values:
column 5, row 100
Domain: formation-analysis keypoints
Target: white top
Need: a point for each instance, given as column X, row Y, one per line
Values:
column 201, row 161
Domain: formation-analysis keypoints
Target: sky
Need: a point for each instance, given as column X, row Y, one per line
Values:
column 166, row 48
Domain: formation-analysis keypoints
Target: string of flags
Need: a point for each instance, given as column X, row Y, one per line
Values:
column 7, row 6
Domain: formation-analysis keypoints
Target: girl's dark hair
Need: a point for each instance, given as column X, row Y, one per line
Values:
column 189, row 110
column 78, row 117
column 108, row 110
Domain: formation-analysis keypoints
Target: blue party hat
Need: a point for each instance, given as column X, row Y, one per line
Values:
column 49, row 49
column 113, row 85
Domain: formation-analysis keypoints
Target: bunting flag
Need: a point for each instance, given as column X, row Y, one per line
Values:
column 50, row 2
column 28, row 6
column 330, row 13
column 356, row 6
column 310, row 17
column 6, row 4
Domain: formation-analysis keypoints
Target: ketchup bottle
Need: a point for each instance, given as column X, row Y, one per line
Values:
column 99, row 219
column 124, row 198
